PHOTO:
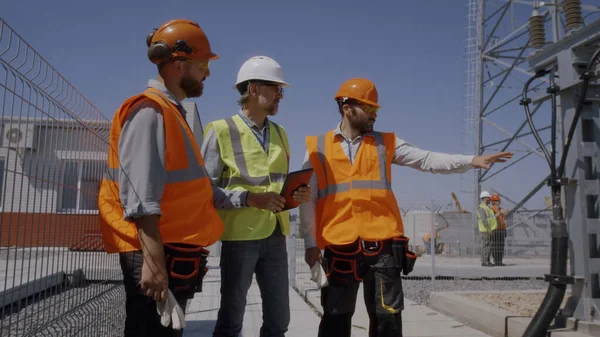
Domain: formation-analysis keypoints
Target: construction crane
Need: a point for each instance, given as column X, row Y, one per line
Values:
column 458, row 207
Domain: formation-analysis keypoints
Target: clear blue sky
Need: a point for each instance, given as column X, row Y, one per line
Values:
column 412, row 50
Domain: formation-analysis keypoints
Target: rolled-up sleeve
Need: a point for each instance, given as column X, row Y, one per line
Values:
column 222, row 198
column 142, row 160
column 435, row 162
column 308, row 211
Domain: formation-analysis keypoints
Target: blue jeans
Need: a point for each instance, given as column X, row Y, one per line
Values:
column 239, row 261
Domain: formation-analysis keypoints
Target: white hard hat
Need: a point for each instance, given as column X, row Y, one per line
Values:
column 261, row 68
column 484, row 194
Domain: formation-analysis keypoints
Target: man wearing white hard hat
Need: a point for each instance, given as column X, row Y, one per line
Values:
column 249, row 152
column 487, row 224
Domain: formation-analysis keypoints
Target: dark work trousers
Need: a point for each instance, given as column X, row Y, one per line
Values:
column 383, row 296
column 141, row 318
column 498, row 245
column 240, row 260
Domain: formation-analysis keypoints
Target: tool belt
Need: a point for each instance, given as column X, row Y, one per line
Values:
column 186, row 267
column 405, row 258
column 345, row 264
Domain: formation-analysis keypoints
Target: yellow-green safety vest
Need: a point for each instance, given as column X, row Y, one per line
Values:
column 249, row 168
column 491, row 218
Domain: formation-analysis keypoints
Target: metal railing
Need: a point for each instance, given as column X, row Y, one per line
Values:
column 55, row 278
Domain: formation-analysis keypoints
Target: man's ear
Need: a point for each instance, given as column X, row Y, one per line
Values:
column 252, row 89
column 346, row 108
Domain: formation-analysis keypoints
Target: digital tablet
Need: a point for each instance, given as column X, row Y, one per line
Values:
column 294, row 181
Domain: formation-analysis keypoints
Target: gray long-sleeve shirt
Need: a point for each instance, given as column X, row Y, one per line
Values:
column 406, row 155
column 142, row 157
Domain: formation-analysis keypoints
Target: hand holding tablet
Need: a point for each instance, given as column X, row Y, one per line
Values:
column 293, row 182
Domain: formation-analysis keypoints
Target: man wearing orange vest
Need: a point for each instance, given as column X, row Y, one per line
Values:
column 354, row 216
column 499, row 235
column 156, row 201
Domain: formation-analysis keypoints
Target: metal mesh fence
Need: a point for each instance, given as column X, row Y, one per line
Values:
column 55, row 278
column 456, row 262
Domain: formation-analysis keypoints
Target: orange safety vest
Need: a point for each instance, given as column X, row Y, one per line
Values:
column 354, row 200
column 188, row 215
column 500, row 219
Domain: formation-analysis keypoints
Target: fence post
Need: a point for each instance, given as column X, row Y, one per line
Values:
column 432, row 243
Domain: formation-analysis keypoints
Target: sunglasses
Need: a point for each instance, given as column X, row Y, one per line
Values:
column 200, row 64
column 277, row 86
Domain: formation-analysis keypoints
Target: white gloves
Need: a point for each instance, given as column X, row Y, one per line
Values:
column 318, row 275
column 171, row 310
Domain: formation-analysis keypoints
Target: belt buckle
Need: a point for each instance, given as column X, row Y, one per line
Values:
column 370, row 246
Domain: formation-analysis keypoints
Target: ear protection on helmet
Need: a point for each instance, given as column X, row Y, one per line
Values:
column 159, row 52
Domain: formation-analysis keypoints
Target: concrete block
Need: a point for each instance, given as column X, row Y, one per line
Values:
column 493, row 321
column 19, row 292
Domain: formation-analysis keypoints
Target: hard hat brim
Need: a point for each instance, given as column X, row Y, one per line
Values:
column 283, row 84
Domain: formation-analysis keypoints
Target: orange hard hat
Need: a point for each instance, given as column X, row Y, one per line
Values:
column 495, row 197
column 360, row 89
column 178, row 38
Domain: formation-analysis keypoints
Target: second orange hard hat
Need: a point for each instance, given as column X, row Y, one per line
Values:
column 360, row 89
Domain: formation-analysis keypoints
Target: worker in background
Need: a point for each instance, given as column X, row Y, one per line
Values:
column 248, row 152
column 487, row 224
column 155, row 201
column 353, row 214
column 499, row 236
column 427, row 240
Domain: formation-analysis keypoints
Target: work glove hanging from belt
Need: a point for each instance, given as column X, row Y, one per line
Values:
column 171, row 311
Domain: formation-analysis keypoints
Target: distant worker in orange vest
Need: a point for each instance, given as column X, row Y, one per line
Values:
column 354, row 216
column 427, row 240
column 499, row 235
column 156, row 203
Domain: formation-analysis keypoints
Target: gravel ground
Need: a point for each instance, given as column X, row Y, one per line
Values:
column 523, row 304
column 418, row 290
column 93, row 310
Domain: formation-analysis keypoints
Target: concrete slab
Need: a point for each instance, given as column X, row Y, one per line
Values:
column 417, row 320
column 494, row 321
column 18, row 292
column 27, row 271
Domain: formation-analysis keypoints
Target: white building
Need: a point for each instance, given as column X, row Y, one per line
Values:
column 55, row 166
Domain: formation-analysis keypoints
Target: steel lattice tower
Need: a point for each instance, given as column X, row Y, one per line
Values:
column 497, row 50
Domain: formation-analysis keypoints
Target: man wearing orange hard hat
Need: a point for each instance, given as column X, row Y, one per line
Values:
column 156, row 203
column 499, row 235
column 352, row 225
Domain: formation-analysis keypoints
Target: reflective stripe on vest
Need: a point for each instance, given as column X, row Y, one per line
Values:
column 188, row 215
column 355, row 200
column 383, row 183
column 193, row 172
column 249, row 168
column 491, row 219
column 240, row 161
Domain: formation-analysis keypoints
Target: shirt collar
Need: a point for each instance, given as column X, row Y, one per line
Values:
column 163, row 90
column 250, row 123
column 338, row 132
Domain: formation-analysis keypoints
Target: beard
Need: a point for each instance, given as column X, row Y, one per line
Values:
column 270, row 109
column 191, row 87
column 362, row 125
